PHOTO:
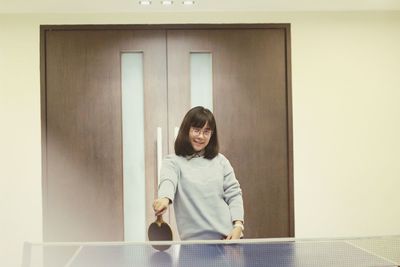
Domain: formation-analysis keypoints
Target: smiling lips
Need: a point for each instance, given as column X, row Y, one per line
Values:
column 198, row 143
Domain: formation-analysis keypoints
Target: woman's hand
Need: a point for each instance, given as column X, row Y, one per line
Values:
column 160, row 205
column 235, row 233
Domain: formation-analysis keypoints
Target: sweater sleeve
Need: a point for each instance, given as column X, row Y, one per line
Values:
column 168, row 178
column 232, row 192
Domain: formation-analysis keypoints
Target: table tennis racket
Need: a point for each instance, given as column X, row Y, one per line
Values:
column 160, row 231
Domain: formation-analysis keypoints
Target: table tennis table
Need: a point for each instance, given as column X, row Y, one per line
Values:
column 349, row 252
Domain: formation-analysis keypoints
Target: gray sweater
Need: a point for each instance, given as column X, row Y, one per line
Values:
column 205, row 193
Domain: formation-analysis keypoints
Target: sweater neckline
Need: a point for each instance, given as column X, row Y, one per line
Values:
column 196, row 155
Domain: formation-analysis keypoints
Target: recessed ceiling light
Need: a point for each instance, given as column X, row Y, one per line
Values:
column 188, row 2
column 167, row 2
column 145, row 2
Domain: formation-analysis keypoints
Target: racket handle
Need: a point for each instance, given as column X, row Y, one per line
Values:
column 159, row 219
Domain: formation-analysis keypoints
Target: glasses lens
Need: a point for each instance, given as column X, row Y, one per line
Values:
column 197, row 132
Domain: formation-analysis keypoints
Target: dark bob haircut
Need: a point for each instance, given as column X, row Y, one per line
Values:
column 197, row 117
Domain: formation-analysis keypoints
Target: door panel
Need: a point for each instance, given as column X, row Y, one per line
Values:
column 250, row 105
column 152, row 44
column 83, row 185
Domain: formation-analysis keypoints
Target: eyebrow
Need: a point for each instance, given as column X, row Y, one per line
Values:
column 200, row 127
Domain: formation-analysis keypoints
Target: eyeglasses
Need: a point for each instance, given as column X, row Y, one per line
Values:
column 197, row 131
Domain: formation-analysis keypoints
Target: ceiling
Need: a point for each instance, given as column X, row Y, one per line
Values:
column 124, row 6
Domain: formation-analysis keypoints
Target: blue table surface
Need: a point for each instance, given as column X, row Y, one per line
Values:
column 296, row 254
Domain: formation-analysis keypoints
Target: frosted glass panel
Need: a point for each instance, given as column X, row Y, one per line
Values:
column 201, row 80
column 133, row 146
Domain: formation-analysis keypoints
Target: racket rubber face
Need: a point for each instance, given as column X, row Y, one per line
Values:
column 160, row 233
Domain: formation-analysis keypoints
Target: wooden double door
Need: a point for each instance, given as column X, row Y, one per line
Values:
column 82, row 139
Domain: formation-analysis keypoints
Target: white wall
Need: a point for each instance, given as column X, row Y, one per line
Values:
column 20, row 148
column 346, row 124
column 345, row 118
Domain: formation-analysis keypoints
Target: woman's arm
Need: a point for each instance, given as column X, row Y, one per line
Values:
column 167, row 187
column 233, row 197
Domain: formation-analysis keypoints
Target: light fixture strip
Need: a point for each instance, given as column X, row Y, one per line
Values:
column 145, row 2
column 188, row 2
column 167, row 2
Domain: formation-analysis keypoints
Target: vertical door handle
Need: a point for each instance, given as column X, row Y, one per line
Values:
column 176, row 131
column 159, row 153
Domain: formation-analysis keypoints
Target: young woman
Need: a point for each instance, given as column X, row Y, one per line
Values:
column 201, row 183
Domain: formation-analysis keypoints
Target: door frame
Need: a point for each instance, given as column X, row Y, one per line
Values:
column 43, row 88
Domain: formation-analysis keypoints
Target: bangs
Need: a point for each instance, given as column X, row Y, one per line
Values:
column 200, row 119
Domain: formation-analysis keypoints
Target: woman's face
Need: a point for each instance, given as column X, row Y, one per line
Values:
column 199, row 137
